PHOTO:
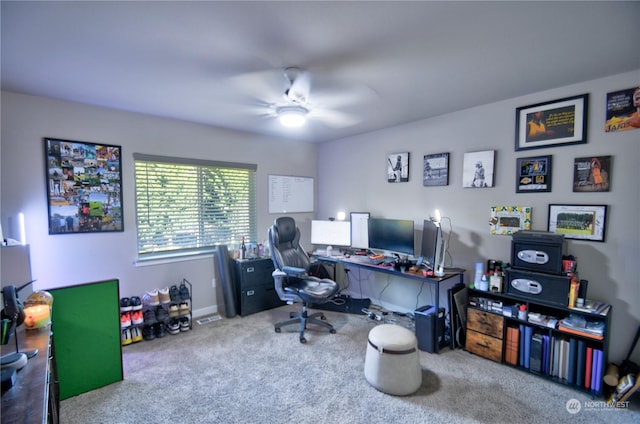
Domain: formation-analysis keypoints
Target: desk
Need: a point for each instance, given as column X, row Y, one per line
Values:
column 455, row 277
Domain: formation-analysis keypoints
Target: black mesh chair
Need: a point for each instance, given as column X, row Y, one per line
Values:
column 292, row 279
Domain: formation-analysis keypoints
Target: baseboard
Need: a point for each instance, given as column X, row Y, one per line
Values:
column 344, row 304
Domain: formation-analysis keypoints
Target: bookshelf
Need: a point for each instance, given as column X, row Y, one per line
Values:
column 543, row 343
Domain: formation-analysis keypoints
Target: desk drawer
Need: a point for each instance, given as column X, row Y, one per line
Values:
column 483, row 345
column 485, row 322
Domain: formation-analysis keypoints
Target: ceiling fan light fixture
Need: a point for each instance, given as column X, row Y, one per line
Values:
column 292, row 116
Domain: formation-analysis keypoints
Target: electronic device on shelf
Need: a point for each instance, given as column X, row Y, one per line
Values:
column 392, row 235
column 331, row 233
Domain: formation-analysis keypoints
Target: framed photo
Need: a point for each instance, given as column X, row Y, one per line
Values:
column 506, row 220
column 592, row 174
column 477, row 169
column 84, row 187
column 533, row 174
column 580, row 222
column 623, row 110
column 398, row 167
column 556, row 123
column 435, row 170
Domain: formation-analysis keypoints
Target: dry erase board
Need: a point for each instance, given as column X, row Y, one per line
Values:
column 290, row 194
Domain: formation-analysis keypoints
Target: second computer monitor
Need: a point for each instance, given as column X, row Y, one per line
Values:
column 393, row 235
column 431, row 238
column 331, row 233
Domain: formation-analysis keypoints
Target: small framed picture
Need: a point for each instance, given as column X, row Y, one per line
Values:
column 592, row 174
column 435, row 171
column 398, row 167
column 533, row 174
column 506, row 220
column 579, row 222
column 556, row 123
column 477, row 169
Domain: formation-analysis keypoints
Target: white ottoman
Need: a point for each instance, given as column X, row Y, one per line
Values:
column 392, row 363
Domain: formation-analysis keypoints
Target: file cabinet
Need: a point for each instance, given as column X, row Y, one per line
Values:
column 255, row 287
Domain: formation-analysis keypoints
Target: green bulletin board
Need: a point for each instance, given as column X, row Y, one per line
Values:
column 86, row 335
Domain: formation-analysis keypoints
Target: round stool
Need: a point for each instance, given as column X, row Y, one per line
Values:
column 392, row 363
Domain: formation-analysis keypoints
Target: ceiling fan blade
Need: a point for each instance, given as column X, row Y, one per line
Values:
column 266, row 86
column 333, row 118
column 300, row 88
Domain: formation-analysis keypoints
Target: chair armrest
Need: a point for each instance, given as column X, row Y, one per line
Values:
column 294, row 271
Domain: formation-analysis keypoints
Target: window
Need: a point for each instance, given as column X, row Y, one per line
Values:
column 188, row 206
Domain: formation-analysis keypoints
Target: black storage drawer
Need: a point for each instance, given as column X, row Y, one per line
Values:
column 259, row 298
column 254, row 272
column 255, row 287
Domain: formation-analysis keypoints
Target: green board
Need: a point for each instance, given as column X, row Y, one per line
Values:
column 86, row 335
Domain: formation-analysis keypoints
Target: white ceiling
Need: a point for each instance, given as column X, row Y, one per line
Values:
column 379, row 64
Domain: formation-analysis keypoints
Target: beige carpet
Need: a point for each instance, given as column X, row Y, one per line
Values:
column 240, row 371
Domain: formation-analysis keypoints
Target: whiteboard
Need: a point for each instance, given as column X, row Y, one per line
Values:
column 290, row 194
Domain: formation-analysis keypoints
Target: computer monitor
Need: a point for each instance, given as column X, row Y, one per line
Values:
column 393, row 235
column 431, row 236
column 360, row 230
column 331, row 233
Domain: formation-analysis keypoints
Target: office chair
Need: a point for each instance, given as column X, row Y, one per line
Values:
column 292, row 280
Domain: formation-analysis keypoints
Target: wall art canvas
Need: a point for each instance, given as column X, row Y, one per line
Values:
column 84, row 186
column 533, row 174
column 580, row 222
column 435, row 171
column 592, row 174
column 623, row 110
column 398, row 167
column 506, row 220
column 478, row 169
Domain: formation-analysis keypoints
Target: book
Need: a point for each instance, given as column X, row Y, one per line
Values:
column 536, row 352
column 593, row 307
column 528, row 332
column 521, row 347
column 556, row 352
column 573, row 358
column 580, row 363
column 587, row 367
column 512, row 351
column 545, row 354
column 594, row 369
column 598, row 371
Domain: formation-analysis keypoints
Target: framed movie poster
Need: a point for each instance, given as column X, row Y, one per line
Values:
column 398, row 167
column 556, row 123
column 435, row 171
column 592, row 174
column 533, row 174
column 84, row 187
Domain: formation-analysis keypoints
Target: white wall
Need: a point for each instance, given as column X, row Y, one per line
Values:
column 352, row 177
column 70, row 259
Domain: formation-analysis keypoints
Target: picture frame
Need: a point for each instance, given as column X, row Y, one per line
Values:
column 435, row 170
column 398, row 167
column 84, row 187
column 622, row 110
column 578, row 222
column 592, row 174
column 477, row 169
column 559, row 122
column 507, row 220
column 533, row 174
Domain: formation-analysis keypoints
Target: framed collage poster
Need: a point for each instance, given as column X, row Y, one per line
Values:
column 84, row 187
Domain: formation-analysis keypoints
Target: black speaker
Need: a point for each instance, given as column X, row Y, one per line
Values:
column 426, row 322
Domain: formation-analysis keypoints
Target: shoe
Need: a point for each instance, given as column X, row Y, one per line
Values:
column 161, row 314
column 184, row 308
column 148, row 333
column 163, row 294
column 185, row 323
column 151, row 298
column 137, row 317
column 125, row 319
column 136, row 303
column 174, row 311
column 125, row 304
column 184, row 291
column 149, row 317
column 174, row 294
column 174, row 326
column 125, row 337
column 136, row 334
column 160, row 329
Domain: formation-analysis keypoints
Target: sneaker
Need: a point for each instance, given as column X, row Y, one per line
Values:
column 136, row 303
column 161, row 314
column 185, row 323
column 136, row 334
column 174, row 294
column 184, row 291
column 125, row 319
column 174, row 311
column 136, row 317
column 163, row 294
column 125, row 337
column 174, row 326
column 149, row 317
column 184, row 308
column 148, row 333
column 151, row 298
column 160, row 329
column 125, row 304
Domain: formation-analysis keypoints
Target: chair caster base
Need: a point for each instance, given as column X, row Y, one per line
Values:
column 303, row 340
column 332, row 331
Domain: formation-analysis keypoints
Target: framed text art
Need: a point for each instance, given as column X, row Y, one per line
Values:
column 506, row 220
column 398, row 167
column 592, row 174
column 435, row 171
column 556, row 123
column 84, row 187
column 580, row 222
column 533, row 174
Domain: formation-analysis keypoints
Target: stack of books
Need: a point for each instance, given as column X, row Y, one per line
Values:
column 544, row 320
column 576, row 324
